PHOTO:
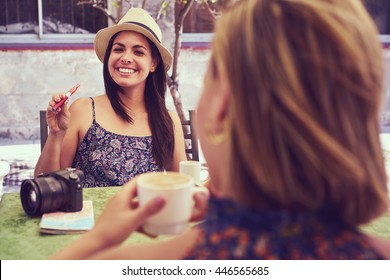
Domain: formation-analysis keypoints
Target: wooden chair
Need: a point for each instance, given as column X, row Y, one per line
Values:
column 190, row 135
column 43, row 127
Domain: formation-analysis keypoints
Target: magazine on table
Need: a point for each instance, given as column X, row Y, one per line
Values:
column 68, row 222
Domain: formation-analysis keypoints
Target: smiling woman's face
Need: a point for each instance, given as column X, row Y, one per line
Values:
column 131, row 59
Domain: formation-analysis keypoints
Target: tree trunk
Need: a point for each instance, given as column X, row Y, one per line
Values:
column 181, row 11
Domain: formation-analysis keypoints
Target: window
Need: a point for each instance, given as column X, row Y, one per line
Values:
column 18, row 16
column 199, row 19
column 29, row 21
column 26, row 22
column 64, row 16
column 198, row 25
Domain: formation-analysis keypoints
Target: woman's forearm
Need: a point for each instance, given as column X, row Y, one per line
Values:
column 83, row 248
column 49, row 159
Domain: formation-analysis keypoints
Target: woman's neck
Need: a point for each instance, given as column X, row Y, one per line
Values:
column 134, row 100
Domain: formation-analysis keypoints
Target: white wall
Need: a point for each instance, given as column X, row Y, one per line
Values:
column 30, row 77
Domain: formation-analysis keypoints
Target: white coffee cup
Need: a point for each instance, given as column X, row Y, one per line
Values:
column 177, row 190
column 194, row 169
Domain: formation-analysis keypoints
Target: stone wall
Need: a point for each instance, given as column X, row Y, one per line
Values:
column 30, row 77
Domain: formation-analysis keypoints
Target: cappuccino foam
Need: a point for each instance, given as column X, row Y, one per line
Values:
column 165, row 180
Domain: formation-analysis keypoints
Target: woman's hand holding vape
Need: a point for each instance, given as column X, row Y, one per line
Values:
column 57, row 114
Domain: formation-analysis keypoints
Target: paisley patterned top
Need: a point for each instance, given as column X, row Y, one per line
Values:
column 110, row 159
column 232, row 231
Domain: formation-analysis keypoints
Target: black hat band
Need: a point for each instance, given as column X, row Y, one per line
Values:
column 146, row 27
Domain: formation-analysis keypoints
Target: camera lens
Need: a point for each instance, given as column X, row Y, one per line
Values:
column 29, row 194
column 42, row 195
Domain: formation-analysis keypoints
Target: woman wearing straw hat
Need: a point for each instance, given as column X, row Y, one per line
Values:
column 292, row 143
column 128, row 130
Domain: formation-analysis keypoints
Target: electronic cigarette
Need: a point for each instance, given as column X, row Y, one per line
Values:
column 67, row 95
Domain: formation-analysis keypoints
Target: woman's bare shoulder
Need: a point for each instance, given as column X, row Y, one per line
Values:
column 80, row 103
column 88, row 100
column 381, row 245
column 83, row 105
column 81, row 113
column 101, row 98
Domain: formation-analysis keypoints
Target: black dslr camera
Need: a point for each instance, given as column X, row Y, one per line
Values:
column 55, row 191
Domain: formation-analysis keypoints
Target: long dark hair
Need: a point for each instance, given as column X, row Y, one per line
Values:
column 159, row 119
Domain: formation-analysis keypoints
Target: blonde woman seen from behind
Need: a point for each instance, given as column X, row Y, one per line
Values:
column 289, row 128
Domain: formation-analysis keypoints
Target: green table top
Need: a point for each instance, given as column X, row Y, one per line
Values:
column 19, row 234
column 20, row 238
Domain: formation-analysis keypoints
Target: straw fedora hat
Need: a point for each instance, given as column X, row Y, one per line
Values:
column 138, row 20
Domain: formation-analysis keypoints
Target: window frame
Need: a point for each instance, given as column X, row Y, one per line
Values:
column 42, row 40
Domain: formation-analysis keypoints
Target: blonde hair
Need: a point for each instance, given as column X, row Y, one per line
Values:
column 307, row 84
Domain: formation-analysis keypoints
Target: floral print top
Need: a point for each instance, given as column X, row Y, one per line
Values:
column 232, row 231
column 110, row 159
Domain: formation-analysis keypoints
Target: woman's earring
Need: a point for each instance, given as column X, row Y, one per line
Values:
column 215, row 138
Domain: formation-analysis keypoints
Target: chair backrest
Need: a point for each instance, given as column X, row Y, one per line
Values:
column 43, row 127
column 191, row 137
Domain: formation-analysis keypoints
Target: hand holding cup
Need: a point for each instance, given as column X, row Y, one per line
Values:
column 177, row 190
